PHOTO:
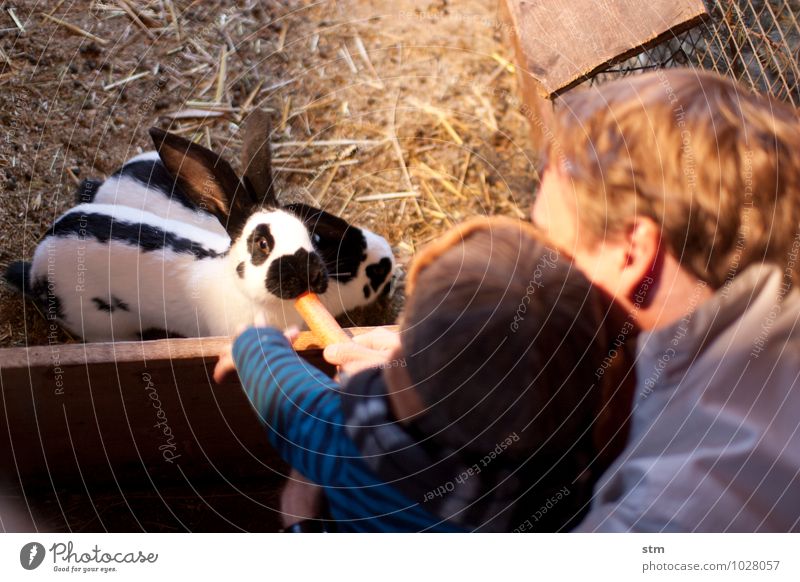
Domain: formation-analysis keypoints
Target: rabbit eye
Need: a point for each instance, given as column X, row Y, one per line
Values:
column 259, row 244
column 316, row 239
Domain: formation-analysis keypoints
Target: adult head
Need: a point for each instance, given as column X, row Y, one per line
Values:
column 665, row 185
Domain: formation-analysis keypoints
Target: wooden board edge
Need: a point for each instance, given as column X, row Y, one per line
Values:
column 695, row 21
column 306, row 344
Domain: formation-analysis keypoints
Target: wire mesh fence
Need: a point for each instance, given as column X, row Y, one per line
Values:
column 756, row 42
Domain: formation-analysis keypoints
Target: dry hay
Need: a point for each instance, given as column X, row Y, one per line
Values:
column 399, row 116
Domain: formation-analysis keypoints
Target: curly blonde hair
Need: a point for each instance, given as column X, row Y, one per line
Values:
column 713, row 164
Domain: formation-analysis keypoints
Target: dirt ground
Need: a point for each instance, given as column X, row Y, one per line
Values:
column 402, row 116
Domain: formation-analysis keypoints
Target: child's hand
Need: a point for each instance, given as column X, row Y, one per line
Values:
column 301, row 499
column 226, row 366
column 291, row 333
column 369, row 350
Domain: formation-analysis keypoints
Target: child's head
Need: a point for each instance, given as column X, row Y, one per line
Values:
column 503, row 337
column 712, row 164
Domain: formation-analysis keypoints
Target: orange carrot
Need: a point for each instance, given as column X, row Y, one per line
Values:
column 320, row 320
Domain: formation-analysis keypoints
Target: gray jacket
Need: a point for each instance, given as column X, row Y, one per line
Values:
column 715, row 435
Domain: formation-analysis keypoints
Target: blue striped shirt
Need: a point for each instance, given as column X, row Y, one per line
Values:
column 302, row 412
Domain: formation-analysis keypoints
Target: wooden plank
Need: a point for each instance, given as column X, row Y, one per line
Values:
column 144, row 412
column 537, row 109
column 563, row 42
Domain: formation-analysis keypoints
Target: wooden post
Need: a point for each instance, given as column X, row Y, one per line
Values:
column 536, row 107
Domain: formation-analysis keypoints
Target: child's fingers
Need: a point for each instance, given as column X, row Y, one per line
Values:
column 353, row 356
column 291, row 333
column 225, row 367
column 340, row 354
column 378, row 339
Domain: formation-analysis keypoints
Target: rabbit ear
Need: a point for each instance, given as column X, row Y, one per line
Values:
column 318, row 221
column 257, row 159
column 206, row 179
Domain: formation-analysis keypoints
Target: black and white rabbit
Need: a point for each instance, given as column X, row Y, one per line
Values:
column 116, row 272
column 360, row 263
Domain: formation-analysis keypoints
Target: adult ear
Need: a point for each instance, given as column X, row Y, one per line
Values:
column 206, row 179
column 640, row 260
column 257, row 158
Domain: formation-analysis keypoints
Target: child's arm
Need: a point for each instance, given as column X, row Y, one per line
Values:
column 297, row 402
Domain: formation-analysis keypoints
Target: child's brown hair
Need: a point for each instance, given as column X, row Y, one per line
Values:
column 713, row 164
column 504, row 337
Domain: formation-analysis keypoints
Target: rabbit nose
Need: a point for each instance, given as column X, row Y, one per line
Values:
column 317, row 274
column 290, row 276
column 318, row 277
